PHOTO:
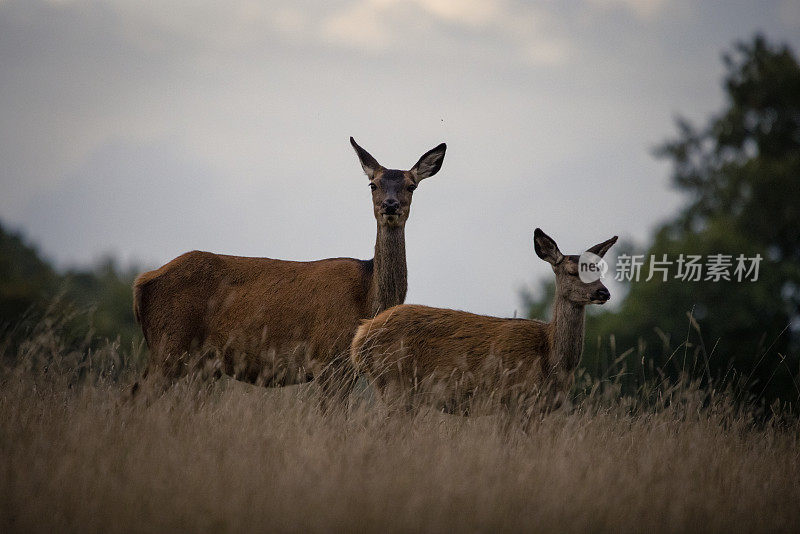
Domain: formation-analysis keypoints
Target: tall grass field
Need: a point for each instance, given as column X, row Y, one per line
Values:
column 78, row 455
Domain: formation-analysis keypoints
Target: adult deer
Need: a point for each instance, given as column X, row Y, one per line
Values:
column 411, row 351
column 275, row 322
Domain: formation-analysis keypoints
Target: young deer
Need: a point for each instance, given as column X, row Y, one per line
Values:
column 410, row 351
column 276, row 322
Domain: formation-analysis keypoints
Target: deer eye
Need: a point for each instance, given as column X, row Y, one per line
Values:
column 411, row 188
column 373, row 186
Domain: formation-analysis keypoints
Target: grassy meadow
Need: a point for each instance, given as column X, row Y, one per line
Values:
column 77, row 455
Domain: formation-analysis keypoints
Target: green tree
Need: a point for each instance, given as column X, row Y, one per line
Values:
column 29, row 286
column 741, row 177
column 25, row 279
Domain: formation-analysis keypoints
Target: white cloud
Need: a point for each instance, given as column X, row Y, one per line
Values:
column 451, row 27
column 386, row 25
column 361, row 25
column 468, row 12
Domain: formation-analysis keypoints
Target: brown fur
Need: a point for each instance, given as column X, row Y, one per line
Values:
column 456, row 354
column 278, row 322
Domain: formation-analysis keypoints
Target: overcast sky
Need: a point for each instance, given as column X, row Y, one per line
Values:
column 148, row 128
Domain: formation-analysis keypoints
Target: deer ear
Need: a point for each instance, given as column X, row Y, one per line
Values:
column 601, row 248
column 368, row 163
column 546, row 248
column 430, row 163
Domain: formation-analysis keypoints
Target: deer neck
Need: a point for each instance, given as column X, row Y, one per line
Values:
column 567, row 330
column 389, row 275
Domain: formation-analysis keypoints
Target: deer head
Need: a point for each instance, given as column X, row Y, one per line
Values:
column 568, row 282
column 392, row 189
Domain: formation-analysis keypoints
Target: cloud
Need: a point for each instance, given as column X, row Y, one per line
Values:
column 206, row 28
column 459, row 26
column 362, row 25
column 643, row 9
column 468, row 12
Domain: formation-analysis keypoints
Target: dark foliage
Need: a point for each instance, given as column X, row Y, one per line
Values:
column 98, row 300
column 741, row 177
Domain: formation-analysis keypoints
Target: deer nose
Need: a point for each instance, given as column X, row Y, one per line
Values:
column 601, row 294
column 390, row 206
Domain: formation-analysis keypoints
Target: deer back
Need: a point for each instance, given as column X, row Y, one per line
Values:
column 253, row 306
column 411, row 343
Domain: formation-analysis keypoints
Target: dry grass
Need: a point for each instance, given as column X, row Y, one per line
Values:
column 76, row 456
